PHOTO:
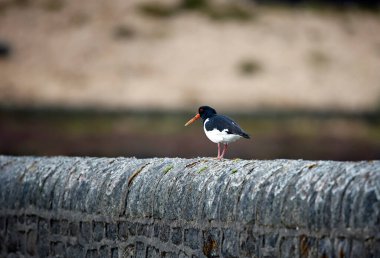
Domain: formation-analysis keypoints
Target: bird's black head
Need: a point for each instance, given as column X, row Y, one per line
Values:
column 206, row 112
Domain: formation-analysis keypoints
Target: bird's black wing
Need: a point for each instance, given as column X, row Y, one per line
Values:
column 221, row 123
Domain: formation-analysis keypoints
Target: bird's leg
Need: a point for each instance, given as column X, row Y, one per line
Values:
column 224, row 150
column 218, row 151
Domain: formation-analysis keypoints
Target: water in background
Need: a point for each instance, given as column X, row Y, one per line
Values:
column 295, row 135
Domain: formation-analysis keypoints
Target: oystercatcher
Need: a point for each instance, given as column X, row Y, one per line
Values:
column 218, row 128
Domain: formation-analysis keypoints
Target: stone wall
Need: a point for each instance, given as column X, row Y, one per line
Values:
column 127, row 207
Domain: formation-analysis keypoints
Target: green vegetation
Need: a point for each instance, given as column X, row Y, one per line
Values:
column 233, row 171
column 231, row 11
column 53, row 5
column 79, row 19
column 157, row 10
column 202, row 169
column 167, row 169
column 318, row 58
column 124, row 32
column 194, row 4
column 249, row 67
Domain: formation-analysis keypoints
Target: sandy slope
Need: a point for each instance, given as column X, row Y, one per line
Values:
column 71, row 56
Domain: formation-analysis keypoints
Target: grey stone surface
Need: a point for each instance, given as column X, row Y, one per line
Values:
column 127, row 207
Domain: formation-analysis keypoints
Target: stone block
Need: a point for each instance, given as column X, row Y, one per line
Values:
column 249, row 244
column 192, row 238
column 92, row 253
column 288, row 247
column 177, row 235
column 143, row 229
column 104, row 251
column 64, row 225
column 55, row 227
column 140, row 249
column 31, row 242
column 230, row 243
column 85, row 231
column 169, row 254
column 75, row 251
column 78, row 207
column 152, row 252
column 114, row 252
column 164, row 233
column 57, row 249
column 122, row 230
column 131, row 228
column 325, row 247
column 98, row 230
column 74, row 229
column 111, row 231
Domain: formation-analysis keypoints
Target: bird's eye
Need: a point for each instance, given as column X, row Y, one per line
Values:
column 200, row 110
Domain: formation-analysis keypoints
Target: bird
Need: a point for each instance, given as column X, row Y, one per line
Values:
column 219, row 129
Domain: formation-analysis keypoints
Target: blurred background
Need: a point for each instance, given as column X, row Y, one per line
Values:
column 120, row 78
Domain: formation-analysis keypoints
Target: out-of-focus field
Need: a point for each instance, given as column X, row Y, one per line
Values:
column 168, row 55
column 64, row 63
column 330, row 136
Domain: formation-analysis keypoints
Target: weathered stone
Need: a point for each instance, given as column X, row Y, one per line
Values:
column 74, row 228
column 74, row 251
column 131, row 228
column 21, row 219
column 325, row 247
column 2, row 224
column 12, row 242
column 230, row 243
column 140, row 249
column 64, row 225
column 249, row 244
column 288, row 247
column 21, row 241
column 342, row 247
column 156, row 231
column 98, row 231
column 129, row 251
column 31, row 242
column 104, row 251
column 182, row 255
column 100, row 207
column 85, row 231
column 164, row 233
column 92, row 253
column 143, row 229
column 122, row 230
column 169, row 254
column 43, row 238
column 55, row 226
column 57, row 249
column 111, row 231
column 114, row 252
column 191, row 238
column 177, row 235
column 31, row 219
column 152, row 252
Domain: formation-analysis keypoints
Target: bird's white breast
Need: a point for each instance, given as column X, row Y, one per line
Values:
column 220, row 136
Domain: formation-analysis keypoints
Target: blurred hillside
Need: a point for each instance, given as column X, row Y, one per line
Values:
column 120, row 78
column 171, row 54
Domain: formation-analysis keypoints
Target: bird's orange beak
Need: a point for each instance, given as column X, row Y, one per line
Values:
column 196, row 117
